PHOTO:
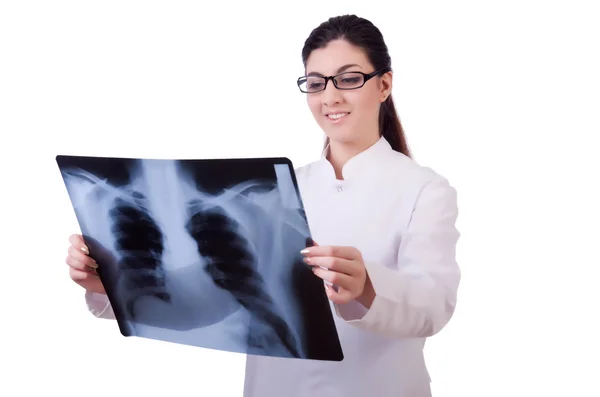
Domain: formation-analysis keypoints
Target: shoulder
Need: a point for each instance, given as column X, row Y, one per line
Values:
column 304, row 172
column 421, row 182
column 413, row 172
column 303, row 169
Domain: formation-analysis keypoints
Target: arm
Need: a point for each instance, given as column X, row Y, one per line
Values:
column 99, row 305
column 418, row 297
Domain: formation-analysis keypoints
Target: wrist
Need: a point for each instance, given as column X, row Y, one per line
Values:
column 368, row 295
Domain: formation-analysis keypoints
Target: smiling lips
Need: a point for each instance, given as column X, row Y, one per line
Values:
column 336, row 117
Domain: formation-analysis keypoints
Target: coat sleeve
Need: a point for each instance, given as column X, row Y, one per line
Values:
column 99, row 305
column 417, row 296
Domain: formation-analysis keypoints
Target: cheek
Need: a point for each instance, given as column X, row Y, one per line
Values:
column 314, row 105
column 367, row 103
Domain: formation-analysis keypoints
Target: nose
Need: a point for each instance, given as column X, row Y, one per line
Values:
column 331, row 95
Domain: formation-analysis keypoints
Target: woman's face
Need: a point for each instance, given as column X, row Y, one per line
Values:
column 346, row 116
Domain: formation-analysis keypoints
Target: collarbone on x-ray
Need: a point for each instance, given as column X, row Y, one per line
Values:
column 192, row 266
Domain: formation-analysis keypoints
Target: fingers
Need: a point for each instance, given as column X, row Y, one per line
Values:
column 341, row 296
column 341, row 268
column 339, row 265
column 76, row 240
column 78, row 257
column 89, row 281
column 79, row 260
column 80, row 276
column 349, row 253
column 341, row 280
column 82, row 267
column 74, row 264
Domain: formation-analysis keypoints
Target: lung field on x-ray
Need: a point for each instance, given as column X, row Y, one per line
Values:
column 232, row 265
column 201, row 254
column 140, row 244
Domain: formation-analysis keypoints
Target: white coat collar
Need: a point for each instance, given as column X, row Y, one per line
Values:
column 367, row 162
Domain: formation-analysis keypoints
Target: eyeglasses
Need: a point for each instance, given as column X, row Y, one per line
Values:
column 342, row 81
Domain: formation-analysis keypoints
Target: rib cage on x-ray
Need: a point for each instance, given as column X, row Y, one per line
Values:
column 186, row 261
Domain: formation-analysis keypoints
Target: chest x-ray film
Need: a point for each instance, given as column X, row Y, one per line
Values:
column 204, row 253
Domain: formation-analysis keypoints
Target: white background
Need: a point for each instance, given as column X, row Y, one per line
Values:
column 502, row 98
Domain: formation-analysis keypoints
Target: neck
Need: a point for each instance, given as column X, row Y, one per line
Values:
column 339, row 153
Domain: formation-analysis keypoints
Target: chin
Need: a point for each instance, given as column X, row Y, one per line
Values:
column 340, row 136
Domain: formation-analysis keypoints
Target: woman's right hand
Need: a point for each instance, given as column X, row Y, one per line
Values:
column 82, row 268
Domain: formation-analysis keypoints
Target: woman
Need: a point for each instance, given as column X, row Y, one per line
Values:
column 384, row 228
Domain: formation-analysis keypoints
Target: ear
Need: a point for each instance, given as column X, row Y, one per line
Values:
column 386, row 86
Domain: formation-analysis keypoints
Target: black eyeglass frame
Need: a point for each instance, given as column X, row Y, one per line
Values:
column 366, row 77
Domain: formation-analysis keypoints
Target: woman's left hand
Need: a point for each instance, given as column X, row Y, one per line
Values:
column 344, row 268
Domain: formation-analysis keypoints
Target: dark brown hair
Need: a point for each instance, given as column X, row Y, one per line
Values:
column 363, row 34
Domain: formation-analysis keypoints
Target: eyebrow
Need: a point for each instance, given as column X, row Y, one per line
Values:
column 340, row 70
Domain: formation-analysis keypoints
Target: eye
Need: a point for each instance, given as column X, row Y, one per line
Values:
column 349, row 80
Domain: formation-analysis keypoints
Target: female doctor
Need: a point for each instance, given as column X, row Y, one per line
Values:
column 384, row 230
